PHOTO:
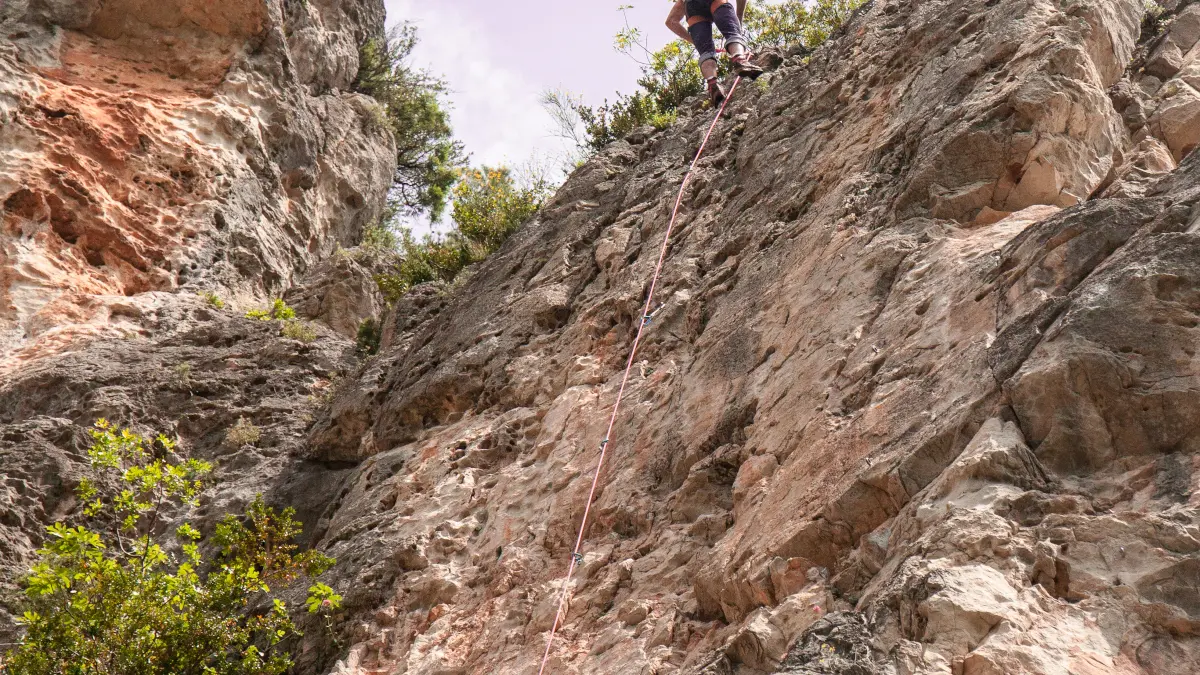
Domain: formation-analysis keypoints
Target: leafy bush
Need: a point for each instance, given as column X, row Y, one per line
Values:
column 243, row 432
column 278, row 311
column 797, row 24
column 298, row 330
column 489, row 205
column 427, row 157
column 380, row 238
column 432, row 258
column 1153, row 19
column 370, row 334
column 671, row 75
column 119, row 596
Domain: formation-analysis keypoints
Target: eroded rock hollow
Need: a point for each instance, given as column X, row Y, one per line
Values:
column 922, row 396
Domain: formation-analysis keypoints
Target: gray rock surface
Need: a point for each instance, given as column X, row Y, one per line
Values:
column 340, row 292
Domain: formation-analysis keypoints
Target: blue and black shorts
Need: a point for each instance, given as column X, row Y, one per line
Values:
column 702, row 14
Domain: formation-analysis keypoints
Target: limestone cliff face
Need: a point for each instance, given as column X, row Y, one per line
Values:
column 157, row 146
column 151, row 150
column 921, row 398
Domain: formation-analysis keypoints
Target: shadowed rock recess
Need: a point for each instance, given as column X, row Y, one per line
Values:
column 923, row 395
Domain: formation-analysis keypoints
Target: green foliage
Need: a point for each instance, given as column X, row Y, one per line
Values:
column 277, row 311
column 1153, row 19
column 427, row 157
column 671, row 75
column 120, row 596
column 370, row 334
column 212, row 299
column 298, row 330
column 243, row 432
column 322, row 598
column 432, row 258
column 795, row 24
column 489, row 205
column 380, row 238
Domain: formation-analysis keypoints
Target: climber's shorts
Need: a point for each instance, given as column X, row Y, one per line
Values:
column 702, row 14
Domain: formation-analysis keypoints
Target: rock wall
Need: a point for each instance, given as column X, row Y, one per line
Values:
column 150, row 152
column 920, row 397
column 178, row 145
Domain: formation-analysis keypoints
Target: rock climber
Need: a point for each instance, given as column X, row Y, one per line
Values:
column 701, row 15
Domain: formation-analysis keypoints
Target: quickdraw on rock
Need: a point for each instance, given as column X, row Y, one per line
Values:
column 647, row 316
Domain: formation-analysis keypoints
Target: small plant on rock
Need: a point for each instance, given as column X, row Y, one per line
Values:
column 243, row 432
column 122, row 594
column 1153, row 20
column 370, row 333
column 213, row 299
column 278, row 311
column 183, row 375
column 298, row 330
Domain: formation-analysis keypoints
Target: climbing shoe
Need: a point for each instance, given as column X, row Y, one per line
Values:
column 716, row 93
column 743, row 67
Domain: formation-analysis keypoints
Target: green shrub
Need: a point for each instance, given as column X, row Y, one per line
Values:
column 243, row 432
column 370, row 334
column 797, row 24
column 298, row 330
column 1153, row 19
column 116, row 596
column 380, row 238
column 277, row 311
column 427, row 157
column 669, row 77
column 489, row 205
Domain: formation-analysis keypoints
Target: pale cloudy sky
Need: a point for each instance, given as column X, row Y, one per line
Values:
column 498, row 57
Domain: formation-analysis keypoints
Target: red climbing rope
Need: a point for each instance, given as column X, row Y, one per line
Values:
column 576, row 556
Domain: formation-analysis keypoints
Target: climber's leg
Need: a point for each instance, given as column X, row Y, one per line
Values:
column 725, row 16
column 700, row 28
column 701, row 31
column 708, row 59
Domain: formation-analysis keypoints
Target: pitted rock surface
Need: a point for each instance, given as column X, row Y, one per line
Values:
column 182, row 144
column 920, row 398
